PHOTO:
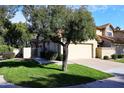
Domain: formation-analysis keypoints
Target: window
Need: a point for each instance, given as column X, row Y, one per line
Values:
column 109, row 33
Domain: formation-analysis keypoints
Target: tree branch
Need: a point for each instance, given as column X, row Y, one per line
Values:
column 57, row 40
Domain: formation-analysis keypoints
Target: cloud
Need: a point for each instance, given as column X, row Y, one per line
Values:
column 94, row 8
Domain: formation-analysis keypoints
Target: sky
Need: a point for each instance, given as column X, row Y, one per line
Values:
column 103, row 14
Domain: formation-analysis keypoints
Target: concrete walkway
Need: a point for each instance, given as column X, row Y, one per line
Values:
column 117, row 69
column 5, row 84
column 41, row 60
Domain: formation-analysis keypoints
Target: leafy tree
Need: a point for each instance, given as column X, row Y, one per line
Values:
column 18, row 35
column 62, row 24
column 37, row 20
column 2, row 40
column 71, row 25
column 6, row 13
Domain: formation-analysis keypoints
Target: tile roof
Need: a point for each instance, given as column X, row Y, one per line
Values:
column 102, row 27
column 114, row 40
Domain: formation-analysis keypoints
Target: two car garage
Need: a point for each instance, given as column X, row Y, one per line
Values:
column 84, row 50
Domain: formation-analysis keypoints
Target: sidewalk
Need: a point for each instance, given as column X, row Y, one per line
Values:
column 5, row 84
column 117, row 69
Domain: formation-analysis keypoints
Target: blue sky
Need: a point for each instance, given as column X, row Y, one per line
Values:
column 113, row 14
column 108, row 14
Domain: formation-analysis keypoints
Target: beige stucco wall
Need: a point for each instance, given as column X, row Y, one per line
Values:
column 27, row 52
column 105, row 51
column 107, row 30
column 80, row 51
column 83, row 50
column 99, row 32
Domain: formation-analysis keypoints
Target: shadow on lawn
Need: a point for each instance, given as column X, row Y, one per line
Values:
column 26, row 63
column 56, row 80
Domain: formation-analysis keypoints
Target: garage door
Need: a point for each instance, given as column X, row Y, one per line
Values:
column 80, row 51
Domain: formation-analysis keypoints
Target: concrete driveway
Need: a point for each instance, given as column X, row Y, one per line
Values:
column 117, row 69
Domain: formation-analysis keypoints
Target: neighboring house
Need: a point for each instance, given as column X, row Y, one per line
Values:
column 111, row 39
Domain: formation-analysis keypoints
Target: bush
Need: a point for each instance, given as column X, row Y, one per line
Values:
column 5, row 48
column 114, row 56
column 106, row 58
column 120, row 56
column 8, row 55
column 59, row 57
column 50, row 55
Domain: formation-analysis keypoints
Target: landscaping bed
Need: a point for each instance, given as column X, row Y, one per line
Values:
column 27, row 73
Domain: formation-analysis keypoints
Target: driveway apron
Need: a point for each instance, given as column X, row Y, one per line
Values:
column 117, row 69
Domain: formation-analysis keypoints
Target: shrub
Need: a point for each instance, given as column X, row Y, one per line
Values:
column 8, row 55
column 114, row 56
column 106, row 58
column 50, row 55
column 120, row 56
column 5, row 48
column 59, row 57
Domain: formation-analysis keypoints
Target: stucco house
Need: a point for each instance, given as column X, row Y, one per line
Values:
column 110, row 41
column 84, row 50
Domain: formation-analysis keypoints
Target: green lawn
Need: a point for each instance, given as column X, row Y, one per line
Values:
column 119, row 60
column 27, row 73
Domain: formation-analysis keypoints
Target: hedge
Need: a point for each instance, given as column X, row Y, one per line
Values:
column 50, row 55
column 114, row 56
column 106, row 58
column 5, row 48
column 8, row 55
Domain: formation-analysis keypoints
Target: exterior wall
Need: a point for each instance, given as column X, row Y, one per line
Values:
column 120, row 49
column 99, row 32
column 107, row 30
column 33, row 52
column 89, row 42
column 118, row 34
column 94, row 43
column 105, row 51
column 98, row 52
column 27, row 52
column 52, row 46
column 107, row 43
column 80, row 51
column 58, row 48
column 16, row 51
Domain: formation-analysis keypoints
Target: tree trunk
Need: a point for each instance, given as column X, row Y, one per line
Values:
column 65, row 57
column 37, row 44
column 44, row 48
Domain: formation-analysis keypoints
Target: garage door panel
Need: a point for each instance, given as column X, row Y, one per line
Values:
column 80, row 51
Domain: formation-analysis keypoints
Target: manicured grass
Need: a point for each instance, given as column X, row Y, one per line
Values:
column 27, row 73
column 119, row 60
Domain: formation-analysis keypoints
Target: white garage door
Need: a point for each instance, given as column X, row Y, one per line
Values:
column 80, row 51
